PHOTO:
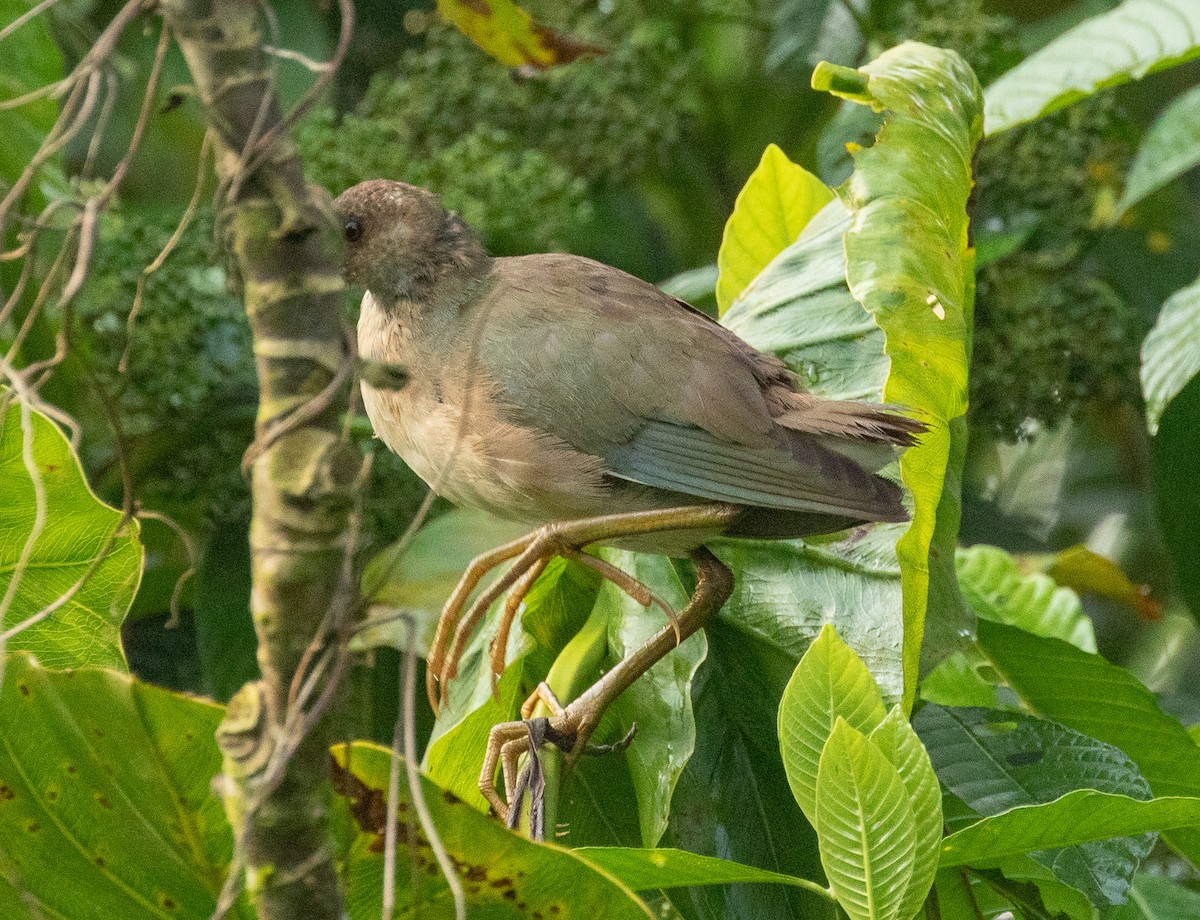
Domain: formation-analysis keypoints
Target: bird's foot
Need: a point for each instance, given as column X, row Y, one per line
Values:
column 567, row 728
column 530, row 556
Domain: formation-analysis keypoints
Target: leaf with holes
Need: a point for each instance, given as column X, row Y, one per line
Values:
column 60, row 545
column 1137, row 38
column 504, row 875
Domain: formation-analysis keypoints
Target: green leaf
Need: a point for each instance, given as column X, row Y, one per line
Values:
column 829, row 683
column 909, row 264
column 643, row 870
column 509, row 34
column 80, row 549
column 504, row 875
column 1090, row 695
column 865, row 827
column 896, row 740
column 418, row 580
column 801, row 310
column 1176, row 499
column 774, row 206
column 1170, row 148
column 106, row 802
column 1081, row 816
column 996, row 589
column 660, row 702
column 996, row 760
column 1171, row 352
column 796, row 29
column 1153, row 897
column 692, row 286
column 1137, row 38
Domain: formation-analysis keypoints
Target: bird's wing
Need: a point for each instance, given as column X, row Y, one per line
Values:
column 662, row 394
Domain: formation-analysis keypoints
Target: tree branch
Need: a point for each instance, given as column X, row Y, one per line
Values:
column 303, row 471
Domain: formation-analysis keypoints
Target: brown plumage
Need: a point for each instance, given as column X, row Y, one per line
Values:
column 552, row 387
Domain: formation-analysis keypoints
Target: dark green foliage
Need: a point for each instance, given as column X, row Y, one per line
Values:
column 188, row 390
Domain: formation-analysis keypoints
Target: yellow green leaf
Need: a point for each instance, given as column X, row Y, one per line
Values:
column 509, row 34
column 777, row 202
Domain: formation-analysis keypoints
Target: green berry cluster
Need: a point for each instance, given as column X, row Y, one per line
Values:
column 1051, row 335
column 516, row 153
column 1048, row 341
column 986, row 41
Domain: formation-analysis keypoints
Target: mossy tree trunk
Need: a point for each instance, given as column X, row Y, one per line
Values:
column 285, row 245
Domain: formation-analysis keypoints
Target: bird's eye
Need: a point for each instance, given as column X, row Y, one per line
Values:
column 353, row 230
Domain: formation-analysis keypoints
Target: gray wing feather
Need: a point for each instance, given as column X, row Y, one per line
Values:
column 692, row 461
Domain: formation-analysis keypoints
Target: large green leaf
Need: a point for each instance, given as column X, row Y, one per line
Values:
column 1171, row 148
column 830, row 683
column 660, row 702
column 1137, row 38
column 107, row 808
column 79, row 548
column 556, row 607
column 1153, row 897
column 1090, row 695
column 996, row 589
column 908, row 261
column 504, row 875
column 643, row 869
column 1078, row 817
column 732, row 800
column 801, row 310
column 1171, row 352
column 1176, row 498
column 996, row 760
column 773, row 207
column 865, row 827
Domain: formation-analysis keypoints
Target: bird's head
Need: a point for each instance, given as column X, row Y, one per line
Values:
column 402, row 243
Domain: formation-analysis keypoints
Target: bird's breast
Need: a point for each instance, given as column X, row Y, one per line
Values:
column 454, row 431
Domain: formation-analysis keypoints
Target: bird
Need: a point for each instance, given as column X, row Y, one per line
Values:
column 566, row 394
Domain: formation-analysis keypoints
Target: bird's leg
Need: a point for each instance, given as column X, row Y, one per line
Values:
column 571, row 727
column 511, row 605
column 558, row 539
column 479, row 567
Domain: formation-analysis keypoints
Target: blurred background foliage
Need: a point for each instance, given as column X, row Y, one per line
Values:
column 634, row 157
